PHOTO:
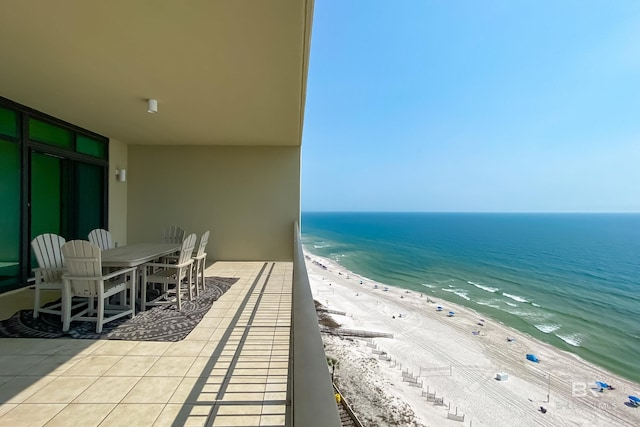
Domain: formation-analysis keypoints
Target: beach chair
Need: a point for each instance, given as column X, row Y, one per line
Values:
column 199, row 262
column 84, row 279
column 101, row 238
column 171, row 277
column 46, row 248
column 173, row 234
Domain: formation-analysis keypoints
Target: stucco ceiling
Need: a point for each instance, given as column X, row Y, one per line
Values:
column 224, row 72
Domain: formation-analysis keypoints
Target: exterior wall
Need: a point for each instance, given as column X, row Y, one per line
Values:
column 248, row 197
column 117, row 192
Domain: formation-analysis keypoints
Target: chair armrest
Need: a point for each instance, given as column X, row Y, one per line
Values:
column 40, row 269
column 104, row 277
column 118, row 273
column 44, row 274
column 157, row 264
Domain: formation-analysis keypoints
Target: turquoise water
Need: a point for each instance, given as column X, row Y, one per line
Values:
column 571, row 280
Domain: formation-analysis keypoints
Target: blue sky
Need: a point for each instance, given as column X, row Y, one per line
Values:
column 473, row 105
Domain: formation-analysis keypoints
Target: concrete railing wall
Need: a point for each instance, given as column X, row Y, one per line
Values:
column 313, row 402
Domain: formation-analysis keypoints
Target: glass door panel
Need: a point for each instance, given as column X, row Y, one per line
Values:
column 9, row 213
column 90, row 189
column 47, row 196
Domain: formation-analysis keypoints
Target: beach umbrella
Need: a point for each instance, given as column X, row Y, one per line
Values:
column 533, row 358
column 635, row 400
column 602, row 385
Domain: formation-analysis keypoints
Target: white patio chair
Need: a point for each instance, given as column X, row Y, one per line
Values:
column 84, row 279
column 173, row 234
column 101, row 238
column 199, row 261
column 47, row 249
column 171, row 276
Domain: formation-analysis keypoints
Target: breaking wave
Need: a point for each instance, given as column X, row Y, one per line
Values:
column 547, row 329
column 572, row 339
column 484, row 288
column 514, row 297
column 461, row 293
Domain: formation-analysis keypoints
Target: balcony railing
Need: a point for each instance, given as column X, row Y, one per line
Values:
column 310, row 390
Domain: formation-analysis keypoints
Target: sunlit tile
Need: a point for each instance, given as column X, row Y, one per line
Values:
column 153, row 390
column 61, row 390
column 107, row 390
column 149, row 348
column 30, row 414
column 133, row 415
column 170, row 366
column 132, row 366
column 92, row 365
column 81, row 414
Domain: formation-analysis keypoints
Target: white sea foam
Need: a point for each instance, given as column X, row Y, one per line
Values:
column 536, row 317
column 519, row 313
column 460, row 292
column 572, row 339
column 484, row 288
column 488, row 304
column 514, row 297
column 546, row 328
column 511, row 304
column 535, row 305
column 426, row 285
column 320, row 245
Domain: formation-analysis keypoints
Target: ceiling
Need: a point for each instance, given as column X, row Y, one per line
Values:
column 224, row 72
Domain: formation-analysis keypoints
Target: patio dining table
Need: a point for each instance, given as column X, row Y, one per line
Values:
column 136, row 255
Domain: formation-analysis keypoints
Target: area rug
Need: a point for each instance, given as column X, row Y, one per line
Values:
column 160, row 323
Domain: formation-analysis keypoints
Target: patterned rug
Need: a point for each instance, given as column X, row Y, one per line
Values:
column 160, row 323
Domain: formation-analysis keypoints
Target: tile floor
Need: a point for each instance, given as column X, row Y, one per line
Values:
column 230, row 371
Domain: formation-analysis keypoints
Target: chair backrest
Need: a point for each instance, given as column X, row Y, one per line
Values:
column 83, row 259
column 47, row 249
column 173, row 234
column 187, row 248
column 101, row 238
column 203, row 244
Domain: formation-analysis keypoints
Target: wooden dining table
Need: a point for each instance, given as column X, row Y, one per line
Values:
column 136, row 255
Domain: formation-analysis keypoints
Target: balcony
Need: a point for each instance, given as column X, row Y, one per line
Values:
column 222, row 153
column 255, row 359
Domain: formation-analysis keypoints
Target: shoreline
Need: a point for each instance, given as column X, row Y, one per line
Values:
column 428, row 344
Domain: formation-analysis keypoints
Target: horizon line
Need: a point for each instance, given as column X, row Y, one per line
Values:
column 483, row 212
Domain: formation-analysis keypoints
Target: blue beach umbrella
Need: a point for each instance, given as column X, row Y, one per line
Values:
column 635, row 400
column 601, row 384
column 533, row 358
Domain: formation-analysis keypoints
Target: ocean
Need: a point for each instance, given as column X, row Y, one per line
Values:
column 571, row 280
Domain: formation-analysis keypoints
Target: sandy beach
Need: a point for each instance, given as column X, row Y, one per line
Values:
column 432, row 356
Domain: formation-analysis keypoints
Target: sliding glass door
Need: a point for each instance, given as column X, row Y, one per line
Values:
column 9, row 213
column 90, row 189
column 53, row 179
column 48, row 194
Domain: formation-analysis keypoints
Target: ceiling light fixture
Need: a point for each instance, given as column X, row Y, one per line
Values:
column 152, row 106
